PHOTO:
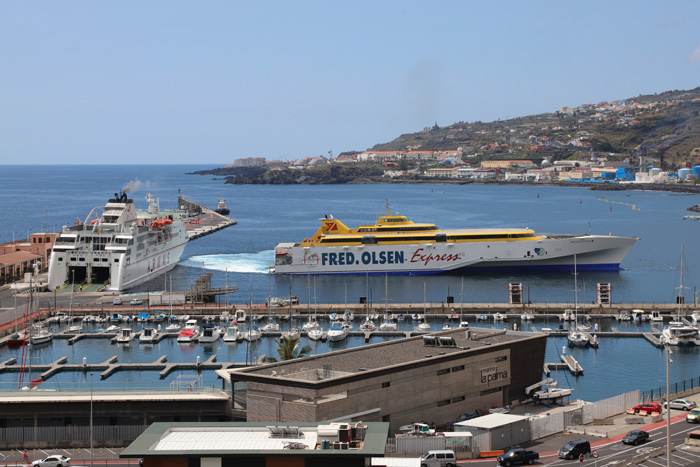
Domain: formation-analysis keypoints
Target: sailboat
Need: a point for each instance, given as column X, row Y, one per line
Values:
column 271, row 325
column 678, row 332
column 74, row 328
column 576, row 338
column 173, row 325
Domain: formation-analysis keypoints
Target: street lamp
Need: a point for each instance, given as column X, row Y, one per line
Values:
column 91, row 450
column 668, row 404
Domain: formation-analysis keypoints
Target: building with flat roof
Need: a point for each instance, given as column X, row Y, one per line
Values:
column 259, row 444
column 436, row 378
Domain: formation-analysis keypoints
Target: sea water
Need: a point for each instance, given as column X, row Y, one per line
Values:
column 46, row 197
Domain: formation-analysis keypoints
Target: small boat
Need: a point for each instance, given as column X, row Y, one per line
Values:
column 367, row 325
column 309, row 325
column 126, row 336
column 231, row 334
column 148, row 335
column 423, row 327
column 271, row 326
column 115, row 318
column 221, row 207
column 348, row 315
column 551, row 392
column 315, row 333
column 334, row 317
column 498, row 316
column 172, row 327
column 17, row 340
column 583, row 327
column 75, row 329
column 143, row 317
column 42, row 337
column 577, row 339
column 111, row 329
column 61, row 317
column 291, row 334
column 252, row 334
column 188, row 335
column 88, row 319
column 695, row 316
column 568, row 315
column 241, row 315
column 388, row 325
column 482, row 317
column 463, row 324
column 401, row 317
column 638, row 316
column 337, row 332
column 624, row 316
column 159, row 317
column 209, row 334
column 257, row 318
column 416, row 317
column 657, row 318
column 527, row 316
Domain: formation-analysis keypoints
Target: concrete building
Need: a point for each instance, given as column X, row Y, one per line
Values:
column 436, row 378
column 18, row 257
column 259, row 444
column 250, row 162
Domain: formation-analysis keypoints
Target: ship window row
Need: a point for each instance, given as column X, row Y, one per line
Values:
column 397, row 229
column 424, row 238
column 65, row 240
column 110, row 219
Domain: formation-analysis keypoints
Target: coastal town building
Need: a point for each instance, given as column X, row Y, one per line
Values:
column 19, row 256
column 437, row 378
column 250, row 162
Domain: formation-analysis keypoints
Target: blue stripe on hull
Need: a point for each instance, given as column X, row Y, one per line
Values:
column 473, row 269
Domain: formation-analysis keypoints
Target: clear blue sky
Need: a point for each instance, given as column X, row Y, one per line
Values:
column 212, row 81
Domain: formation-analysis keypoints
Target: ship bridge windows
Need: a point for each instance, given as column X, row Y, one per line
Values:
column 441, row 238
column 369, row 240
column 62, row 239
column 110, row 219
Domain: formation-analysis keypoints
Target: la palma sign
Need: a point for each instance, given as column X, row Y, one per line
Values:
column 493, row 374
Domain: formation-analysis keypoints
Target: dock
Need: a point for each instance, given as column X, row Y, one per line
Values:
column 204, row 221
column 111, row 366
column 572, row 364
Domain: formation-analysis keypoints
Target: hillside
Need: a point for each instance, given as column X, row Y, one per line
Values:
column 665, row 126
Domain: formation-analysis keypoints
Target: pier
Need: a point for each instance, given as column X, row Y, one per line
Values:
column 204, row 221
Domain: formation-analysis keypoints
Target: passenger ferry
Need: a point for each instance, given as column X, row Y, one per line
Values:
column 396, row 245
column 120, row 247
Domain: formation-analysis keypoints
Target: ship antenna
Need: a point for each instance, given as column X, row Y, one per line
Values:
column 388, row 208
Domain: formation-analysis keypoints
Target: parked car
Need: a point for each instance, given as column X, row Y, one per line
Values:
column 635, row 437
column 648, row 407
column 575, row 448
column 52, row 461
column 117, row 301
column 517, row 456
column 693, row 416
column 439, row 458
column 682, row 404
column 136, row 301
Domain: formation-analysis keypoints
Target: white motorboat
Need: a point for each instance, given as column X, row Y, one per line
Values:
column 576, row 338
column 188, row 335
column 231, row 334
column 337, row 332
column 271, row 326
column 463, row 324
column 527, row 316
column 309, row 325
column 209, row 334
column 173, row 327
column 656, row 316
column 388, row 325
column 367, row 325
column 695, row 316
column 499, row 316
column 241, row 315
column 111, row 329
column 75, row 329
column 583, row 327
column 41, row 337
column 348, row 315
column 482, row 317
column 252, row 334
column 568, row 315
column 423, row 327
column 416, row 317
column 315, row 334
column 148, row 335
column 88, row 319
column 624, row 316
column 125, row 336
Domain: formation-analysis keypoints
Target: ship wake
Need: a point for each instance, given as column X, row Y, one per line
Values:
column 239, row 262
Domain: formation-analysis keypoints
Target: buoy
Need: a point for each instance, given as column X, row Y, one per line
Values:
column 580, row 201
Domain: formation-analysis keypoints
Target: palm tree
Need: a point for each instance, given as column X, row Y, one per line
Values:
column 288, row 349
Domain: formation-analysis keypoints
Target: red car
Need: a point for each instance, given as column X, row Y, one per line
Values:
column 649, row 407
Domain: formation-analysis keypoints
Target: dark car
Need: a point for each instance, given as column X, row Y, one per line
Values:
column 635, row 437
column 575, row 448
column 516, row 457
column 648, row 407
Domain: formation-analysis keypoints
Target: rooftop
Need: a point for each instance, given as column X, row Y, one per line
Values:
column 392, row 355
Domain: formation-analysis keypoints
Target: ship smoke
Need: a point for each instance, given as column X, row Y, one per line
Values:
column 134, row 185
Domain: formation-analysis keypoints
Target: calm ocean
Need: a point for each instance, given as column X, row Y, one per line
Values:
column 40, row 198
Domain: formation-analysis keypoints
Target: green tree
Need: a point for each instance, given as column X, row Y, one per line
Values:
column 288, row 349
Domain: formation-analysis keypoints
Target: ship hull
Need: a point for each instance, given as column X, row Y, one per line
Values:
column 547, row 253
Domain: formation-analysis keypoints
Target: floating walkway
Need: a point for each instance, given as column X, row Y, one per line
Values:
column 110, row 366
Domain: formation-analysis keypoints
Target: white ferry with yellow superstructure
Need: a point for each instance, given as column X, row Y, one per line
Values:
column 396, row 245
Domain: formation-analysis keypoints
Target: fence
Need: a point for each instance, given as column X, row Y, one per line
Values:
column 72, row 436
column 611, row 406
column 547, row 425
column 677, row 387
column 421, row 445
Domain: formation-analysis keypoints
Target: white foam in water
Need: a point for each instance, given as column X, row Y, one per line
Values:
column 240, row 262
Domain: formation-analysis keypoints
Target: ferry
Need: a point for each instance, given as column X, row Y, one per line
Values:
column 396, row 245
column 119, row 248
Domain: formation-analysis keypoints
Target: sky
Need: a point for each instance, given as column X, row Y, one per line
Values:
column 212, row 81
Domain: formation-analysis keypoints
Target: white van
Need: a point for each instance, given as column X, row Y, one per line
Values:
column 442, row 458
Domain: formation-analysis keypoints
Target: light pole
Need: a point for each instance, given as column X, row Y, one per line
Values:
column 668, row 404
column 91, row 450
